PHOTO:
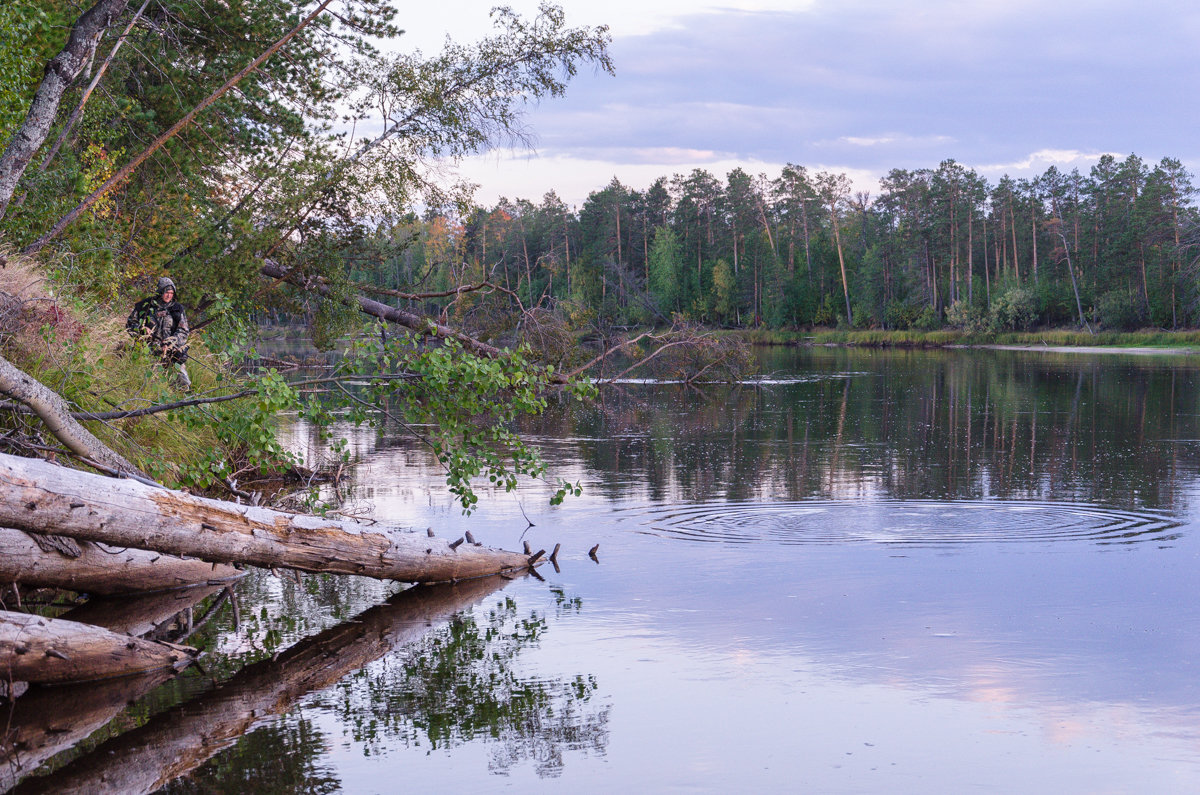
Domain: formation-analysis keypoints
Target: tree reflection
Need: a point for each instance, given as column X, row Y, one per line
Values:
column 902, row 424
column 277, row 758
column 460, row 684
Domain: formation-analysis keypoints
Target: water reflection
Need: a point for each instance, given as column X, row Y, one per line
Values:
column 871, row 571
column 903, row 424
column 902, row 522
column 453, row 685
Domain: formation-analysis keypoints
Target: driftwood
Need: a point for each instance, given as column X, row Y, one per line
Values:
column 177, row 741
column 41, row 497
column 100, row 569
column 38, row 649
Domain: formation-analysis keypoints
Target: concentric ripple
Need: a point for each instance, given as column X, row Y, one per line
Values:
column 902, row 522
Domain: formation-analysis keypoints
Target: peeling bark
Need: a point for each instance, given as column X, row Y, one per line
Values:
column 98, row 570
column 41, row 497
column 37, row 649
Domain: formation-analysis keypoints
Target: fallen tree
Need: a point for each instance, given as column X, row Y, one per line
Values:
column 56, row 414
column 41, row 497
column 168, row 745
column 100, row 570
column 49, row 650
column 47, row 719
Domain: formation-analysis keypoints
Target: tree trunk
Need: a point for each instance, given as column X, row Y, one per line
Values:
column 37, row 649
column 60, row 73
column 168, row 745
column 55, row 413
column 41, row 497
column 101, row 571
column 400, row 317
column 122, row 174
column 837, row 236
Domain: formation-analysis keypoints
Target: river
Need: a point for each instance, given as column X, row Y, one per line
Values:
column 866, row 571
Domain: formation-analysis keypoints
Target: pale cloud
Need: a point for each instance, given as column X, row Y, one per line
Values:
column 887, row 140
column 510, row 174
column 1037, row 162
column 859, row 86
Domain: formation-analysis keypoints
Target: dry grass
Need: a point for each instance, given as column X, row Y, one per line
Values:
column 79, row 348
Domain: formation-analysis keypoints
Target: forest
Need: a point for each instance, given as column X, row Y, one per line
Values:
column 934, row 247
column 276, row 169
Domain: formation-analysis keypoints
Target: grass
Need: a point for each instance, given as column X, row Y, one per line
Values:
column 78, row 347
column 945, row 337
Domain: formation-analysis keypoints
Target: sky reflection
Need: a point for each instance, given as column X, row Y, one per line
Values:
column 946, row 573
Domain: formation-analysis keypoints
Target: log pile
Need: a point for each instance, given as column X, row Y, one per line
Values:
column 41, row 497
column 65, row 677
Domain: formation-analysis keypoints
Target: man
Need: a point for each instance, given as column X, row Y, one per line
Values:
column 161, row 323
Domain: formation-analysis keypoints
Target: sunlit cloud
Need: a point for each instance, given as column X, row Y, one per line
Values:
column 888, row 140
column 1039, row 161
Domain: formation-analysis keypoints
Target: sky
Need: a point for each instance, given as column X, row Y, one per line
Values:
column 851, row 86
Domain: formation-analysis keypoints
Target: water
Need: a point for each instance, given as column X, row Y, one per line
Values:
column 870, row 571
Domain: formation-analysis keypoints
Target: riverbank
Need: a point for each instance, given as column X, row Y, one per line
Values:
column 1145, row 342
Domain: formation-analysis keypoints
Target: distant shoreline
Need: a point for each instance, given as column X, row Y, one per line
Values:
column 1142, row 351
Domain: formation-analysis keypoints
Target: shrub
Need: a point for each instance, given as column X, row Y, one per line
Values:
column 1013, row 310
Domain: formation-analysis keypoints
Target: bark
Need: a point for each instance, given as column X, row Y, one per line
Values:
column 60, row 73
column 76, row 114
column 43, row 497
column 54, row 412
column 169, row 745
column 101, row 570
column 48, row 719
column 50, row 650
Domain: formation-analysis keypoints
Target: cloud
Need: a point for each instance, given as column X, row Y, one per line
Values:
column 893, row 140
column 1037, row 162
column 868, row 85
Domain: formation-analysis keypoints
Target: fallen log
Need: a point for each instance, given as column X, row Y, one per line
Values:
column 101, row 570
column 46, row 498
column 177, row 741
column 50, row 650
column 48, row 719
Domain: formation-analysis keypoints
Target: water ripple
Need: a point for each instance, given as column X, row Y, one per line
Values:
column 902, row 522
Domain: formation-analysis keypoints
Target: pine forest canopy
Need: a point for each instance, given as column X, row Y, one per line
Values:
column 271, row 171
column 933, row 247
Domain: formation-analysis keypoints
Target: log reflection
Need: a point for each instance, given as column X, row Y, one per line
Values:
column 139, row 615
column 177, row 741
column 47, row 720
